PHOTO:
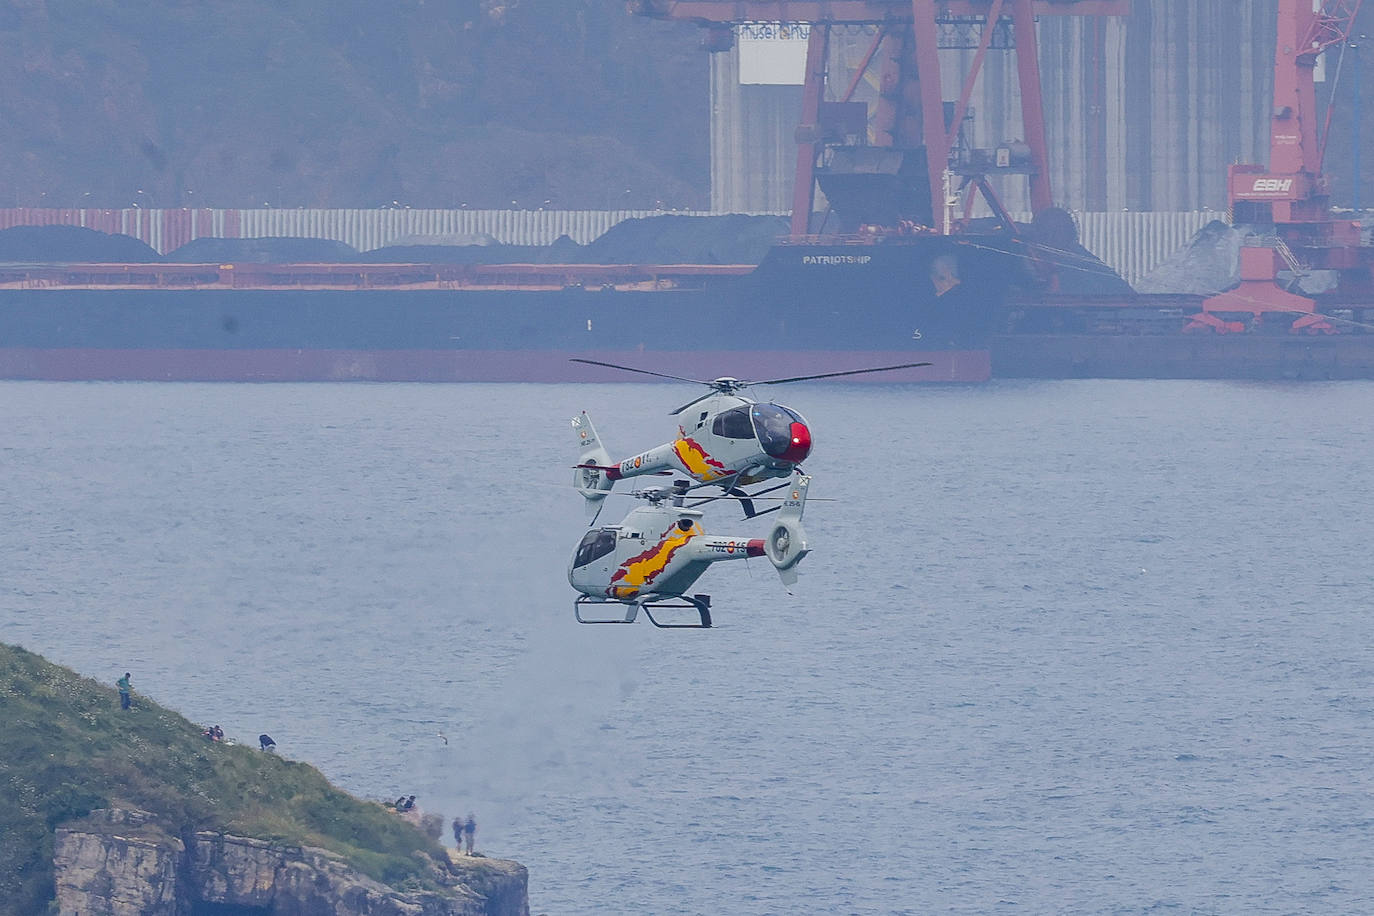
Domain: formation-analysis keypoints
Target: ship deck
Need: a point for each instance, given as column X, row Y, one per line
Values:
column 327, row 276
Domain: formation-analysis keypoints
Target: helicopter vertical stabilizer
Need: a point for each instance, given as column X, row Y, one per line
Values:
column 786, row 542
column 592, row 477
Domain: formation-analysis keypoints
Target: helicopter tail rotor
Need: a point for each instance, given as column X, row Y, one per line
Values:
column 594, row 474
column 786, row 543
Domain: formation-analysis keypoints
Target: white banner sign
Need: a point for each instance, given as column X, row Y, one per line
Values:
column 772, row 53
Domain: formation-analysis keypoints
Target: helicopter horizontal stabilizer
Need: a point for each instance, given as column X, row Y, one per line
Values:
column 592, row 475
column 614, row 470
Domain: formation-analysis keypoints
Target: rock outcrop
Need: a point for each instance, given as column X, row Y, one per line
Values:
column 503, row 883
column 117, row 862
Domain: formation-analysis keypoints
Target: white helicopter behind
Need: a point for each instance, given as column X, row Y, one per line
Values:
column 658, row 552
column 729, row 441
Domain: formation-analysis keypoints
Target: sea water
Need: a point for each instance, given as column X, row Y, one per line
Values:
column 1078, row 646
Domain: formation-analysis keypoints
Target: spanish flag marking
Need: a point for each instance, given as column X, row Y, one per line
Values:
column 699, row 464
column 641, row 570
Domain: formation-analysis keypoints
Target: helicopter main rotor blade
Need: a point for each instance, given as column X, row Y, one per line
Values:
column 698, row 400
column 676, row 378
column 806, row 378
column 703, row 500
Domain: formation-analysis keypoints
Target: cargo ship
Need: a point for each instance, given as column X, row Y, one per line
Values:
column 804, row 308
column 810, row 307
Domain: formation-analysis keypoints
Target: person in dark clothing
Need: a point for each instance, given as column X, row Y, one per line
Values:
column 125, row 688
column 266, row 743
column 469, row 833
column 458, row 833
column 410, row 803
column 400, row 803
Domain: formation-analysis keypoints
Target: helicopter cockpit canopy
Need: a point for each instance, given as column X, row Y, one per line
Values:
column 733, row 424
column 781, row 431
column 594, row 545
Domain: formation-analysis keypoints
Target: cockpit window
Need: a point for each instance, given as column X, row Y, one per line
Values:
column 774, row 426
column 734, row 424
column 595, row 545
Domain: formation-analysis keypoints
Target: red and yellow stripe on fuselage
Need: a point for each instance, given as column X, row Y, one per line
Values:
column 641, row 570
column 697, row 462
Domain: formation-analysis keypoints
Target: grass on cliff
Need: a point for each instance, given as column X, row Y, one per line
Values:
column 67, row 748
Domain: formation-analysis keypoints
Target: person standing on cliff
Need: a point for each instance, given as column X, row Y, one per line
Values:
column 125, row 688
column 469, row 833
column 458, row 833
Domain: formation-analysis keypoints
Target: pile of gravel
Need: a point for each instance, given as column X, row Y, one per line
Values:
column 1208, row 264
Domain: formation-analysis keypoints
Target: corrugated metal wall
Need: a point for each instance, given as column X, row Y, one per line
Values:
column 1136, row 243
column 753, row 147
column 1143, row 112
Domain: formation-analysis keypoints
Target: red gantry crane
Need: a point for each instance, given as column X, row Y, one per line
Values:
column 916, row 174
column 1289, row 200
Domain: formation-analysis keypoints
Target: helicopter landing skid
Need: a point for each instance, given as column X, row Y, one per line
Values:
column 631, row 610
column 699, row 603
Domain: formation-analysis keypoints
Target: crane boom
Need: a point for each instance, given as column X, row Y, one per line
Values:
column 905, row 176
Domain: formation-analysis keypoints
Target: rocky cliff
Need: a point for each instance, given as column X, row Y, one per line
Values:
column 121, row 862
column 108, row 810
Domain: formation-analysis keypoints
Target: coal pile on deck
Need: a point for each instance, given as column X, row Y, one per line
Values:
column 71, row 245
column 464, row 250
column 1053, row 237
column 270, row 250
column 731, row 239
column 668, row 239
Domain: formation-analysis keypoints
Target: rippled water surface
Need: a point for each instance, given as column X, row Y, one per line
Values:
column 1061, row 646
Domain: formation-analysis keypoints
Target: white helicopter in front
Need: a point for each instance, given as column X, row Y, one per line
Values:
column 659, row 551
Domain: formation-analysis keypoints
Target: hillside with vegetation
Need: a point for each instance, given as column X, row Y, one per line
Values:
column 349, row 103
column 69, row 749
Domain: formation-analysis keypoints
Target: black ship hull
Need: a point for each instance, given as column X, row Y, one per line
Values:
column 806, row 308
